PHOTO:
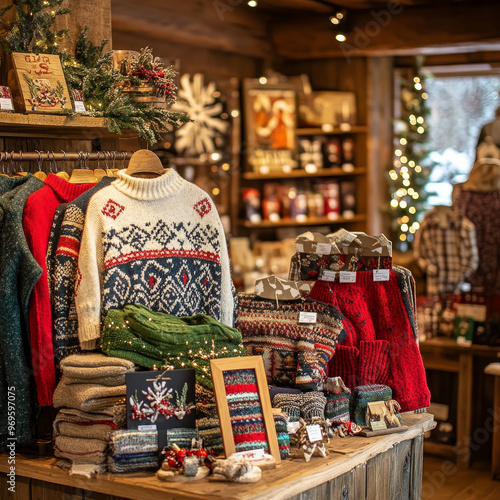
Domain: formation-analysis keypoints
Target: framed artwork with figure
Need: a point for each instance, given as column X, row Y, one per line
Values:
column 270, row 123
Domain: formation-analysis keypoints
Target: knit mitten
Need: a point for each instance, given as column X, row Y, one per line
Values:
column 313, row 405
column 345, row 364
column 281, row 424
column 290, row 404
column 373, row 365
column 337, row 406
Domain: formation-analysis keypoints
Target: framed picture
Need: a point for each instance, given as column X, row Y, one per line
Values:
column 41, row 87
column 244, row 405
column 270, row 122
column 318, row 109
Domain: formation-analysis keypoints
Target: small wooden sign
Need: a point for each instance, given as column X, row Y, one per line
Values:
column 41, row 87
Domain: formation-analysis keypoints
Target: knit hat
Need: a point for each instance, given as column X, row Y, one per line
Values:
column 337, row 406
column 289, row 404
column 365, row 394
column 313, row 405
column 281, row 424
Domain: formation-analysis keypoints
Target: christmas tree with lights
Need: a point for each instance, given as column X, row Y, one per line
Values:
column 31, row 31
column 410, row 169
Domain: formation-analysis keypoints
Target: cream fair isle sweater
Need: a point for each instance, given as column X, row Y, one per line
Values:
column 156, row 242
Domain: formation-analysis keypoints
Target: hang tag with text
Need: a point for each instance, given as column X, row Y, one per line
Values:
column 80, row 107
column 314, row 433
column 151, row 427
column 6, row 104
column 347, row 277
column 323, row 248
column 307, row 317
column 381, row 275
column 328, row 275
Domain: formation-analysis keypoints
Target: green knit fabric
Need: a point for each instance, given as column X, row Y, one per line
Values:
column 154, row 340
column 365, row 394
column 18, row 273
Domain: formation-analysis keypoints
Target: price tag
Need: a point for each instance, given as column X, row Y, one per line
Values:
column 377, row 425
column 80, row 107
column 347, row 277
column 146, row 427
column 323, row 248
column 328, row 275
column 381, row 275
column 299, row 247
column 307, row 317
column 6, row 104
column 314, row 433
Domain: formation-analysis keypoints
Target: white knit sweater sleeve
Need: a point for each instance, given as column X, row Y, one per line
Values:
column 228, row 292
column 89, row 279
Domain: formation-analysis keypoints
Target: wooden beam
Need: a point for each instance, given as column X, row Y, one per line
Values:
column 392, row 30
column 211, row 25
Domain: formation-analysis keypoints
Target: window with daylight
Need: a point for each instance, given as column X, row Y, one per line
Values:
column 459, row 106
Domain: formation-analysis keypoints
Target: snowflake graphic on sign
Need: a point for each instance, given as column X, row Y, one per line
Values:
column 199, row 103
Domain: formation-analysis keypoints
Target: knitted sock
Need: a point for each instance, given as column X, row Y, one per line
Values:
column 289, row 404
column 281, row 423
column 337, row 406
column 313, row 405
column 373, row 367
column 344, row 364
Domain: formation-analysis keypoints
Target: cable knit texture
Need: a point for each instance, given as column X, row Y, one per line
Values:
column 64, row 275
column 377, row 313
column 18, row 272
column 156, row 242
column 37, row 221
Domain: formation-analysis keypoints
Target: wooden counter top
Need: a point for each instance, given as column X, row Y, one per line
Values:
column 288, row 480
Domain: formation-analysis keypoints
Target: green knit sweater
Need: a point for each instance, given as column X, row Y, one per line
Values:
column 154, row 339
column 18, row 272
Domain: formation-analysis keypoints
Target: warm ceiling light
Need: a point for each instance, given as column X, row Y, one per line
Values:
column 340, row 37
column 252, row 3
column 334, row 20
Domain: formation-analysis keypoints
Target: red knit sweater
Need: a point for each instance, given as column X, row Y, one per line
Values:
column 37, row 221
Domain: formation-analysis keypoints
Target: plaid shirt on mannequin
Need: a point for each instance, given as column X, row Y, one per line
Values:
column 446, row 249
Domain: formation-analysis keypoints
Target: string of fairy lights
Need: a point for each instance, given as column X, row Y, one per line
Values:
column 407, row 175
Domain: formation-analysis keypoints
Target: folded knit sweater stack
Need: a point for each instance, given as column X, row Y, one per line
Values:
column 132, row 451
column 91, row 395
column 155, row 339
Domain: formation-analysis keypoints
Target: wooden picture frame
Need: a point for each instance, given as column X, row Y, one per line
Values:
column 230, row 366
column 270, row 126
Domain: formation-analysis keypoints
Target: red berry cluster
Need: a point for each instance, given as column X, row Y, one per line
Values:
column 151, row 75
column 175, row 458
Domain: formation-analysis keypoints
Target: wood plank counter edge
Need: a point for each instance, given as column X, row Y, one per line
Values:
column 290, row 479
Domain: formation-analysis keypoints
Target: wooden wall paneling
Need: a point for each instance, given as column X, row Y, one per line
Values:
column 22, row 488
column 427, row 29
column 378, row 469
column 380, row 139
column 417, row 453
column 196, row 23
column 400, row 471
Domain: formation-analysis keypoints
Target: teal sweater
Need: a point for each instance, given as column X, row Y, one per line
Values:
column 18, row 273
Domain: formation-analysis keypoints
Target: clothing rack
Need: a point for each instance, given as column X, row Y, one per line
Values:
column 82, row 156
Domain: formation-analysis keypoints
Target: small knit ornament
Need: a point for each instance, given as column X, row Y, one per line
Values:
column 127, row 441
column 289, row 404
column 337, row 406
column 247, row 421
column 209, row 432
column 281, row 424
column 313, row 405
column 365, row 394
column 182, row 437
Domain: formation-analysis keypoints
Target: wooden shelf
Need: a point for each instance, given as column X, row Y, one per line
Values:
column 355, row 129
column 302, row 174
column 309, row 222
column 56, row 126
